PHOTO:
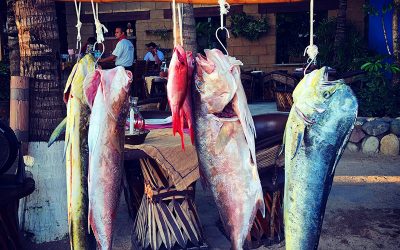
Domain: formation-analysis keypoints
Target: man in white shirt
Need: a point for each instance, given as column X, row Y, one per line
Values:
column 153, row 53
column 123, row 52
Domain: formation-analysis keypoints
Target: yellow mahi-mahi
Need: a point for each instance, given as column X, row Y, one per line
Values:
column 318, row 128
column 76, row 158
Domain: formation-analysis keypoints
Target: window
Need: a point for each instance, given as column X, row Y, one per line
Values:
column 205, row 32
column 293, row 35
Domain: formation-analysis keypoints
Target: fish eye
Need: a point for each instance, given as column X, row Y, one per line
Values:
column 326, row 94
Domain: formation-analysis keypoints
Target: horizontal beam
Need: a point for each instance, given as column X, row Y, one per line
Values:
column 193, row 1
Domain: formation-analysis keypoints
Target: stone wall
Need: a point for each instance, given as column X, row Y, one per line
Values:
column 258, row 55
column 375, row 135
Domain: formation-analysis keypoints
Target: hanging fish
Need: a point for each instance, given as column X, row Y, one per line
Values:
column 106, row 92
column 225, row 152
column 76, row 126
column 318, row 128
column 177, row 89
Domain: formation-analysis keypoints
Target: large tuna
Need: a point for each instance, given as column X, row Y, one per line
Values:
column 76, row 154
column 107, row 95
column 224, row 150
column 318, row 128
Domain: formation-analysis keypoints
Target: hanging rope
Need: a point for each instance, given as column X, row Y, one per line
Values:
column 180, row 22
column 179, row 25
column 223, row 10
column 78, row 27
column 311, row 50
column 174, row 21
column 99, row 30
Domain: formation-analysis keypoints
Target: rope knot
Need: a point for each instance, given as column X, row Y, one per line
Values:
column 100, row 29
column 224, row 7
column 311, row 51
column 78, row 27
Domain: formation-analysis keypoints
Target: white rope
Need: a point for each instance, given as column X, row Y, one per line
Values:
column 311, row 50
column 174, row 20
column 78, row 27
column 99, row 31
column 223, row 10
column 100, row 28
column 180, row 21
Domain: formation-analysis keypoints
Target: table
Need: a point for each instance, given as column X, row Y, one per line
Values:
column 149, row 81
column 167, row 215
column 299, row 74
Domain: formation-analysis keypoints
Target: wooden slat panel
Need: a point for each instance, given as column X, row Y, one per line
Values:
column 207, row 11
column 193, row 1
column 297, row 7
column 114, row 17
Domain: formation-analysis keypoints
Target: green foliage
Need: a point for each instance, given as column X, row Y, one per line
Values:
column 347, row 56
column 377, row 97
column 4, row 81
column 248, row 26
column 164, row 33
column 372, row 11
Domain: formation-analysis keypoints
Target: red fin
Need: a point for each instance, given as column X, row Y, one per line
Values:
column 177, row 125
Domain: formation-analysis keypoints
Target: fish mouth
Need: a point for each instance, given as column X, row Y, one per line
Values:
column 227, row 112
column 306, row 120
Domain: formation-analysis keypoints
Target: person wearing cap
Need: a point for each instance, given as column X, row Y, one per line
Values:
column 123, row 52
column 153, row 53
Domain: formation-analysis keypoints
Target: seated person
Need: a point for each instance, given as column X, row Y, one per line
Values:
column 153, row 53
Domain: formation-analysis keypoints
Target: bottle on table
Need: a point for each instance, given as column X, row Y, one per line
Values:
column 136, row 121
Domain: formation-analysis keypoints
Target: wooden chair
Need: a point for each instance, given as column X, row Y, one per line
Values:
column 283, row 86
column 355, row 79
column 138, row 85
column 269, row 230
column 247, row 82
column 267, row 89
column 152, row 69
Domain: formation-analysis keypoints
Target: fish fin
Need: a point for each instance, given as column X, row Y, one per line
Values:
column 177, row 125
column 57, row 131
column 260, row 205
column 342, row 147
column 300, row 137
column 224, row 136
column 239, row 104
column 67, row 138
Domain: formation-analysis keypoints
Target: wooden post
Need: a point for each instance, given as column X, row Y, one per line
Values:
column 19, row 107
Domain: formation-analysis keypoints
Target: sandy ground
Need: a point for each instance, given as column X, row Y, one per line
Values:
column 363, row 210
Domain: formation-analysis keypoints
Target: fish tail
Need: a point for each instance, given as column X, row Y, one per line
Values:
column 181, row 124
column 260, row 205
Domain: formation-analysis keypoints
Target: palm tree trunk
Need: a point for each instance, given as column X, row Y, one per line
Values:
column 395, row 35
column 39, row 45
column 13, row 45
column 340, row 24
column 189, row 29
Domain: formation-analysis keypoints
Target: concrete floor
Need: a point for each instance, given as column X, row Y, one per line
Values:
column 363, row 210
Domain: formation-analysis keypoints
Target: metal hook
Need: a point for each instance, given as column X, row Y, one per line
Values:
column 102, row 52
column 216, row 35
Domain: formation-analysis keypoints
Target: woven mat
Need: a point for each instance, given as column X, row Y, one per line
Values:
column 166, row 150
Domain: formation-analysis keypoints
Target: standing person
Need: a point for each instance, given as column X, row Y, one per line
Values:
column 123, row 52
column 153, row 54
